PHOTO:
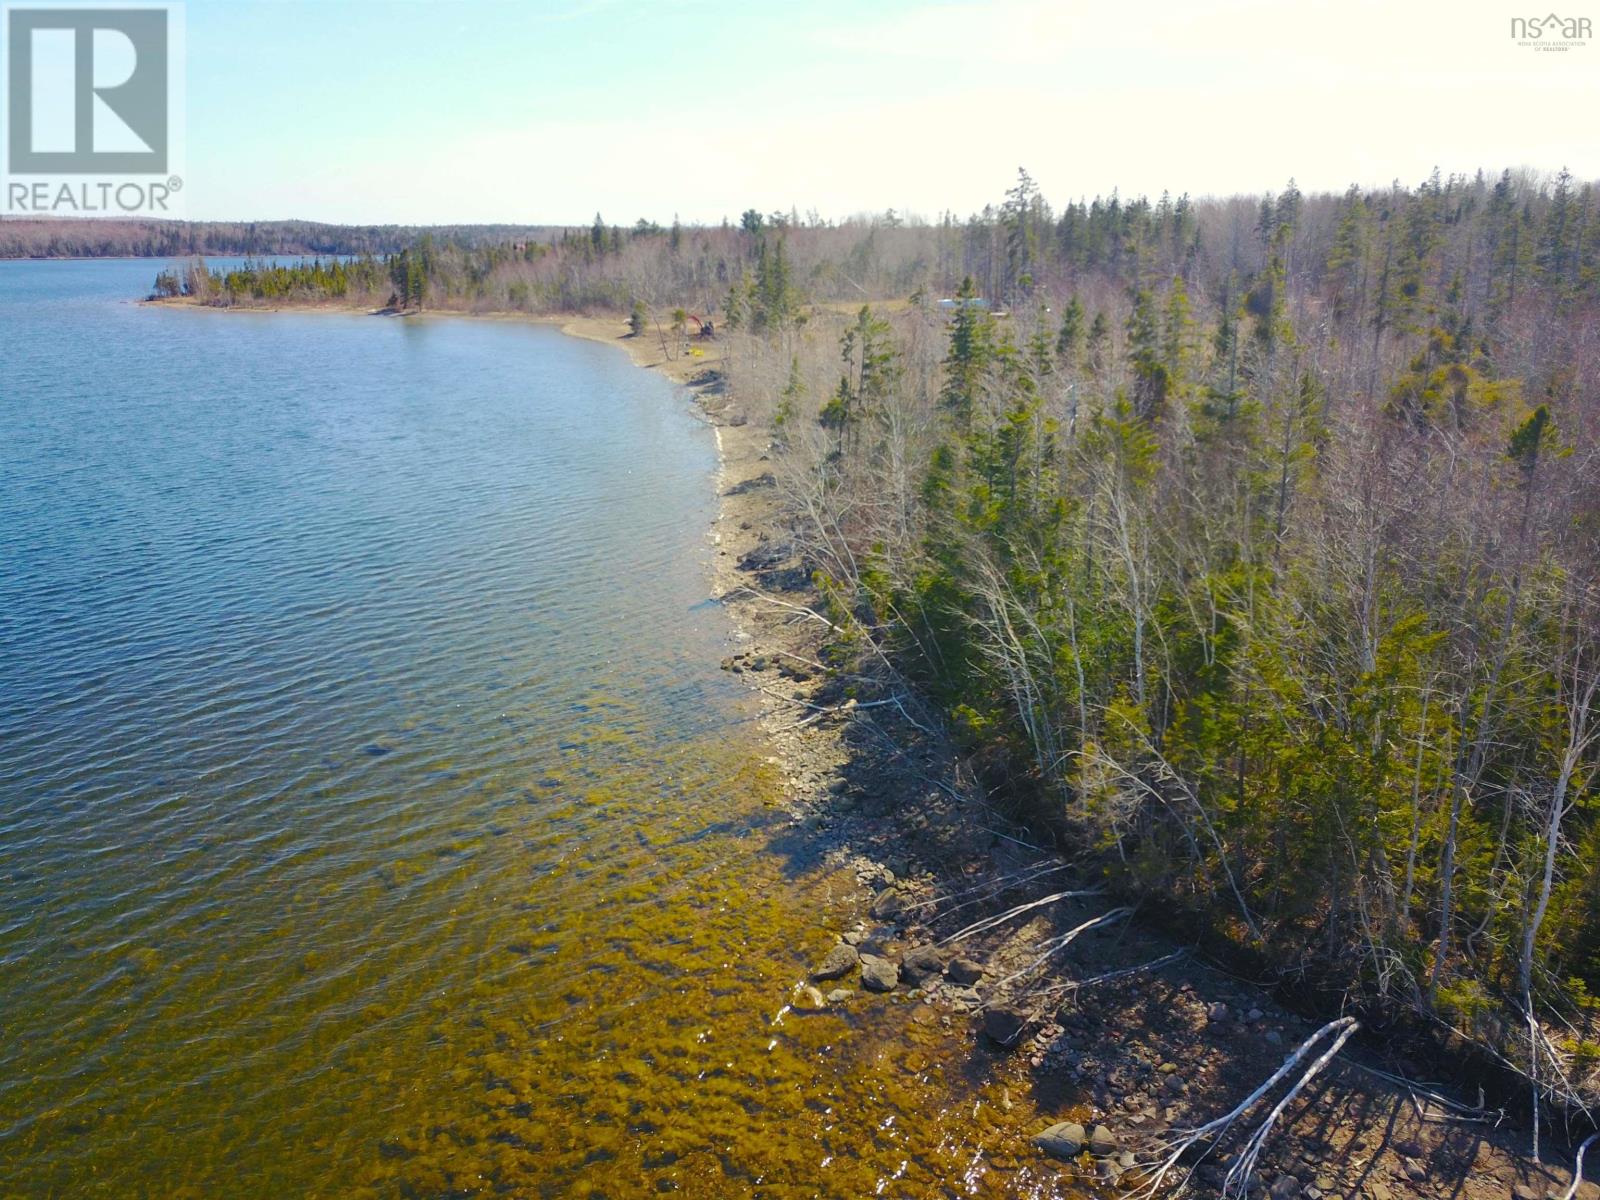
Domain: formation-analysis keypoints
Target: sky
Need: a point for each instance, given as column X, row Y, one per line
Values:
column 546, row 111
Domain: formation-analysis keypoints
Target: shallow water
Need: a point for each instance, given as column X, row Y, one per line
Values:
column 374, row 819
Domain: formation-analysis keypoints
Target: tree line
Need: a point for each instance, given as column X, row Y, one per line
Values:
column 1251, row 548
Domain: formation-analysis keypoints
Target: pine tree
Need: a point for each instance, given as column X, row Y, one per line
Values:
column 1151, row 376
column 968, row 359
column 1069, row 341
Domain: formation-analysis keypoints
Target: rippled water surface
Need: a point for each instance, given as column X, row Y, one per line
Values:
column 374, row 820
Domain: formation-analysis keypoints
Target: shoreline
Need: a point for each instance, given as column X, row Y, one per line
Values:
column 883, row 800
column 1213, row 1034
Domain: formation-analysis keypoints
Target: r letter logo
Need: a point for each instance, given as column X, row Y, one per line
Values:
column 88, row 90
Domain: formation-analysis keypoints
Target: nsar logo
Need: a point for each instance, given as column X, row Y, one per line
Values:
column 1551, row 32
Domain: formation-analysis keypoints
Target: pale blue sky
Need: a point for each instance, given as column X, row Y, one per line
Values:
column 546, row 110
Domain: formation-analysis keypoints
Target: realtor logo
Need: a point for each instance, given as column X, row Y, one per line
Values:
column 92, row 103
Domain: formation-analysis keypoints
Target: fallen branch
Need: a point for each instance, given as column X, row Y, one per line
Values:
column 1000, row 919
column 1238, row 1178
column 1214, row 1130
column 1467, row 1112
column 1055, row 945
column 1015, row 841
column 799, row 609
column 989, row 887
column 1076, row 985
column 1577, row 1167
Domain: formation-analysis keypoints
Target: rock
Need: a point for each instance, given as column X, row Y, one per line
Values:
column 1102, row 1142
column 1004, row 1024
column 889, row 905
column 836, row 963
column 963, row 971
column 1409, row 1149
column 765, row 556
column 763, row 480
column 965, row 999
column 1218, row 1013
column 1255, row 1014
column 923, row 961
column 1522, row 1191
column 839, row 995
column 1284, row 1187
column 1173, row 1084
column 1274, row 1038
column 853, row 937
column 1414, row 1170
column 809, row 999
column 1062, row 1140
column 878, row 974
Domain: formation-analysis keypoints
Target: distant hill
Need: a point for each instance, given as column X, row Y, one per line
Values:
column 30, row 238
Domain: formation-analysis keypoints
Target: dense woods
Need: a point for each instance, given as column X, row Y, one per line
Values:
column 1248, row 544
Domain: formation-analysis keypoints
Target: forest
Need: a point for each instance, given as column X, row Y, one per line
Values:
column 1249, row 545
column 23, row 237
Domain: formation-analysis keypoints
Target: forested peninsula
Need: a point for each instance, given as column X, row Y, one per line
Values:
column 1248, row 546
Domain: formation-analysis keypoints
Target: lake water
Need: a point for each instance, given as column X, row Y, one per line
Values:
column 374, row 819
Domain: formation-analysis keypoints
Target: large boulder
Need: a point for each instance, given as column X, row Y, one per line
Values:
column 1062, row 1140
column 878, row 974
column 1004, row 1024
column 922, row 962
column 963, row 971
column 836, row 963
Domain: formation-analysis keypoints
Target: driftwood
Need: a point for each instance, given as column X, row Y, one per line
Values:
column 989, row 888
column 1577, row 1167
column 1206, row 1136
column 1001, row 918
column 1238, row 1179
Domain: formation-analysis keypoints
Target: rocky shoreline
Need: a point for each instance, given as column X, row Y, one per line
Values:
column 1110, row 1038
